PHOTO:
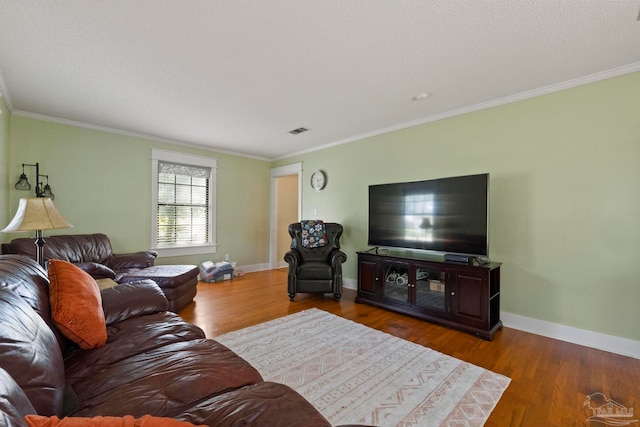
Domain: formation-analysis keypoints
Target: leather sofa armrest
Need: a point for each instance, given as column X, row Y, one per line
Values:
column 132, row 299
column 142, row 259
column 97, row 271
column 14, row 404
column 294, row 259
column 337, row 258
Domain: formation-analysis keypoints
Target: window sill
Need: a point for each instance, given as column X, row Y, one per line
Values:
column 186, row 250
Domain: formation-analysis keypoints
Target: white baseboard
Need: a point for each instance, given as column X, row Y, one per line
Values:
column 350, row 283
column 600, row 341
column 253, row 267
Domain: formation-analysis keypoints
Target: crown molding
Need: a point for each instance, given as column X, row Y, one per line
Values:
column 545, row 90
column 557, row 87
column 107, row 129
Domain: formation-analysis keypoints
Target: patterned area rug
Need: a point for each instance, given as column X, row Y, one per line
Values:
column 355, row 374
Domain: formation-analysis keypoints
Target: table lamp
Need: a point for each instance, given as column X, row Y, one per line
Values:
column 37, row 214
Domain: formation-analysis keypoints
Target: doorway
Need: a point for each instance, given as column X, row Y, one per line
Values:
column 286, row 208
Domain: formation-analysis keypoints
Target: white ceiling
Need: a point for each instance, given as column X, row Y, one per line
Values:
column 238, row 75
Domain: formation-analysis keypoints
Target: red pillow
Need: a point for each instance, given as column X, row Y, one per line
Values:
column 76, row 305
column 126, row 421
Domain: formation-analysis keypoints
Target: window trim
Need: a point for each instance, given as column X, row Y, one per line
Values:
column 188, row 159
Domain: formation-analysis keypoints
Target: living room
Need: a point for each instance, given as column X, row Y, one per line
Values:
column 562, row 165
column 564, row 171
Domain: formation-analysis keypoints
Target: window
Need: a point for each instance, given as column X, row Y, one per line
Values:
column 183, row 198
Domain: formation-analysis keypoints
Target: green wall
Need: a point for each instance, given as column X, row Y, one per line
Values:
column 4, row 174
column 565, row 196
column 101, row 182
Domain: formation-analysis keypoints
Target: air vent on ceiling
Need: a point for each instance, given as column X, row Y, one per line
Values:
column 297, row 131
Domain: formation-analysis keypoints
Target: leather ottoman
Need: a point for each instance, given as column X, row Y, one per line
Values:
column 178, row 282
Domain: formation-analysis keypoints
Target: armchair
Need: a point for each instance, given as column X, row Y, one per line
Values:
column 315, row 269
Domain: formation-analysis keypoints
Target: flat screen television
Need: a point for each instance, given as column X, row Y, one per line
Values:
column 447, row 215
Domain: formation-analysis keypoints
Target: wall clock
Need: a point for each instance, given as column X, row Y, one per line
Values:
column 318, row 180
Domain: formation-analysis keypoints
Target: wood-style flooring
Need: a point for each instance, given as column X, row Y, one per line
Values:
column 550, row 379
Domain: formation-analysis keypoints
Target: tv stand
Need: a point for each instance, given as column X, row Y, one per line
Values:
column 461, row 296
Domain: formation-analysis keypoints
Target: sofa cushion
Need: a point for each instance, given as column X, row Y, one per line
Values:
column 99, row 421
column 315, row 271
column 97, row 271
column 14, row 404
column 131, row 261
column 27, row 279
column 162, row 382
column 76, row 305
column 74, row 248
column 261, row 404
column 129, row 338
column 166, row 276
column 178, row 282
column 133, row 299
column 80, row 249
column 30, row 353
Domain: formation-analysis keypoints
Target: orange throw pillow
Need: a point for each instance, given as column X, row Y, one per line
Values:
column 76, row 305
column 126, row 421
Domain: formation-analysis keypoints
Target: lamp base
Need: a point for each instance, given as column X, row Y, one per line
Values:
column 40, row 244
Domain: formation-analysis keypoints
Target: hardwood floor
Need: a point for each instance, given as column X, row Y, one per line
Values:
column 550, row 379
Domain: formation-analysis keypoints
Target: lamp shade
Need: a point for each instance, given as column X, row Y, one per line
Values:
column 23, row 183
column 35, row 214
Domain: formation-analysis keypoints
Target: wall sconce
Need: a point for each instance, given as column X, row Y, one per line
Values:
column 23, row 183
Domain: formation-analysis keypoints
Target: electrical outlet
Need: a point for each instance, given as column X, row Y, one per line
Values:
column 315, row 211
column 226, row 257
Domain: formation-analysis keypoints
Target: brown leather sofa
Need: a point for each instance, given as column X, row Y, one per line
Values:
column 93, row 254
column 153, row 363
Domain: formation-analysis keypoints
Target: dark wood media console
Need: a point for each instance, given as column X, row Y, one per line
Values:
column 461, row 296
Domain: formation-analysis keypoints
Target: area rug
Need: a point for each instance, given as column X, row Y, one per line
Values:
column 355, row 374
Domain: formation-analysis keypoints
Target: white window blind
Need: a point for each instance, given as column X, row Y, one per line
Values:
column 183, row 205
column 183, row 200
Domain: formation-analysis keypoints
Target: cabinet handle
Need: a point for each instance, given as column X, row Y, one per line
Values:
column 453, row 293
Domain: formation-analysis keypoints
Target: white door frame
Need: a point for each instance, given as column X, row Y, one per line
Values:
column 292, row 169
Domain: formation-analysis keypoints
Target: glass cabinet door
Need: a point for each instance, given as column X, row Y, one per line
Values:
column 396, row 281
column 430, row 288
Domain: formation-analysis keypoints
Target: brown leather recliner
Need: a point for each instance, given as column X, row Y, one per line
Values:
column 315, row 269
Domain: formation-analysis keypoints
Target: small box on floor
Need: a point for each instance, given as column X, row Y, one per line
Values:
column 216, row 272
